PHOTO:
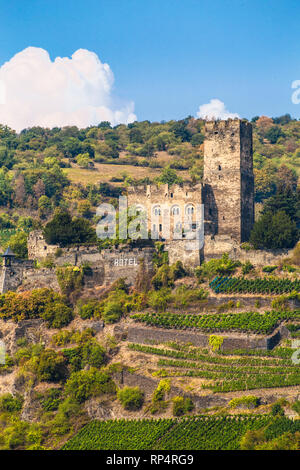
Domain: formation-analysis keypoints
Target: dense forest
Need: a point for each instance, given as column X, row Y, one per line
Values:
column 70, row 171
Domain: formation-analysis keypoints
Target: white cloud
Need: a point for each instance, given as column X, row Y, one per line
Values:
column 215, row 109
column 67, row 91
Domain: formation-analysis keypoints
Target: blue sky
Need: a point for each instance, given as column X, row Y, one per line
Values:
column 170, row 56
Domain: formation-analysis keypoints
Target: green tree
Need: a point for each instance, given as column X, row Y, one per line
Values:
column 273, row 134
column 64, row 230
column 18, row 244
column 274, row 231
column 169, row 176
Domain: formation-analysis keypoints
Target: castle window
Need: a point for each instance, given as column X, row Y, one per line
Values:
column 45, row 248
column 171, row 194
column 154, row 228
column 156, row 211
column 189, row 210
column 220, row 168
column 223, row 217
column 139, row 210
column 160, row 227
column 175, row 210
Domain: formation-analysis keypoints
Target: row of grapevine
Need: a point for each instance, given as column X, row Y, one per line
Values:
column 119, row 435
column 225, row 374
column 195, row 433
column 233, row 285
column 252, row 322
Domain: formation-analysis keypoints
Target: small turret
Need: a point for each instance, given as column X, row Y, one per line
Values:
column 8, row 256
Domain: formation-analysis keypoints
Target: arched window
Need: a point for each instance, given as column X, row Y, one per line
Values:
column 175, row 210
column 189, row 210
column 156, row 210
column 139, row 209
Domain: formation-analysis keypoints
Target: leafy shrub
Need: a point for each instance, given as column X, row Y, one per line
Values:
column 57, row 315
column 279, row 303
column 296, row 406
column 296, row 255
column 246, row 402
column 163, row 277
column 11, row 403
column 246, row 246
column 247, row 267
column 158, row 402
column 252, row 439
column 184, row 295
column 288, row 268
column 166, row 275
column 92, row 354
column 269, row 269
column 224, row 265
column 112, row 312
column 132, row 398
column 90, row 309
column 50, row 366
column 87, row 383
column 52, row 399
column 27, row 305
column 70, row 279
column 277, row 410
column 159, row 300
column 215, row 342
column 177, row 270
column 182, row 406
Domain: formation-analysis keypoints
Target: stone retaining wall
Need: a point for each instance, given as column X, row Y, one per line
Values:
column 136, row 334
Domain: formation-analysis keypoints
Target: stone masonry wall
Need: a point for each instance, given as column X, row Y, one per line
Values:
column 228, row 178
column 137, row 334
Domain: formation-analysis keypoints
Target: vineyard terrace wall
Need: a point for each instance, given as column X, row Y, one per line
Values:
column 136, row 334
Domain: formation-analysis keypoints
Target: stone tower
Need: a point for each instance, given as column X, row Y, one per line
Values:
column 228, row 179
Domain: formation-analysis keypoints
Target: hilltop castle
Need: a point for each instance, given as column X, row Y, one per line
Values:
column 227, row 194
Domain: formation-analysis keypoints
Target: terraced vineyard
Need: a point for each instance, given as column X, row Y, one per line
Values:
column 196, row 433
column 240, row 285
column 249, row 322
column 226, row 374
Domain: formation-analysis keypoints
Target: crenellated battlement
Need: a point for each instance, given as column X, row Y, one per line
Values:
column 163, row 190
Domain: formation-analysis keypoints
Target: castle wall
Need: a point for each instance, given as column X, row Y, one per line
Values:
column 37, row 246
column 215, row 246
column 11, row 277
column 107, row 266
column 178, row 251
column 167, row 206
